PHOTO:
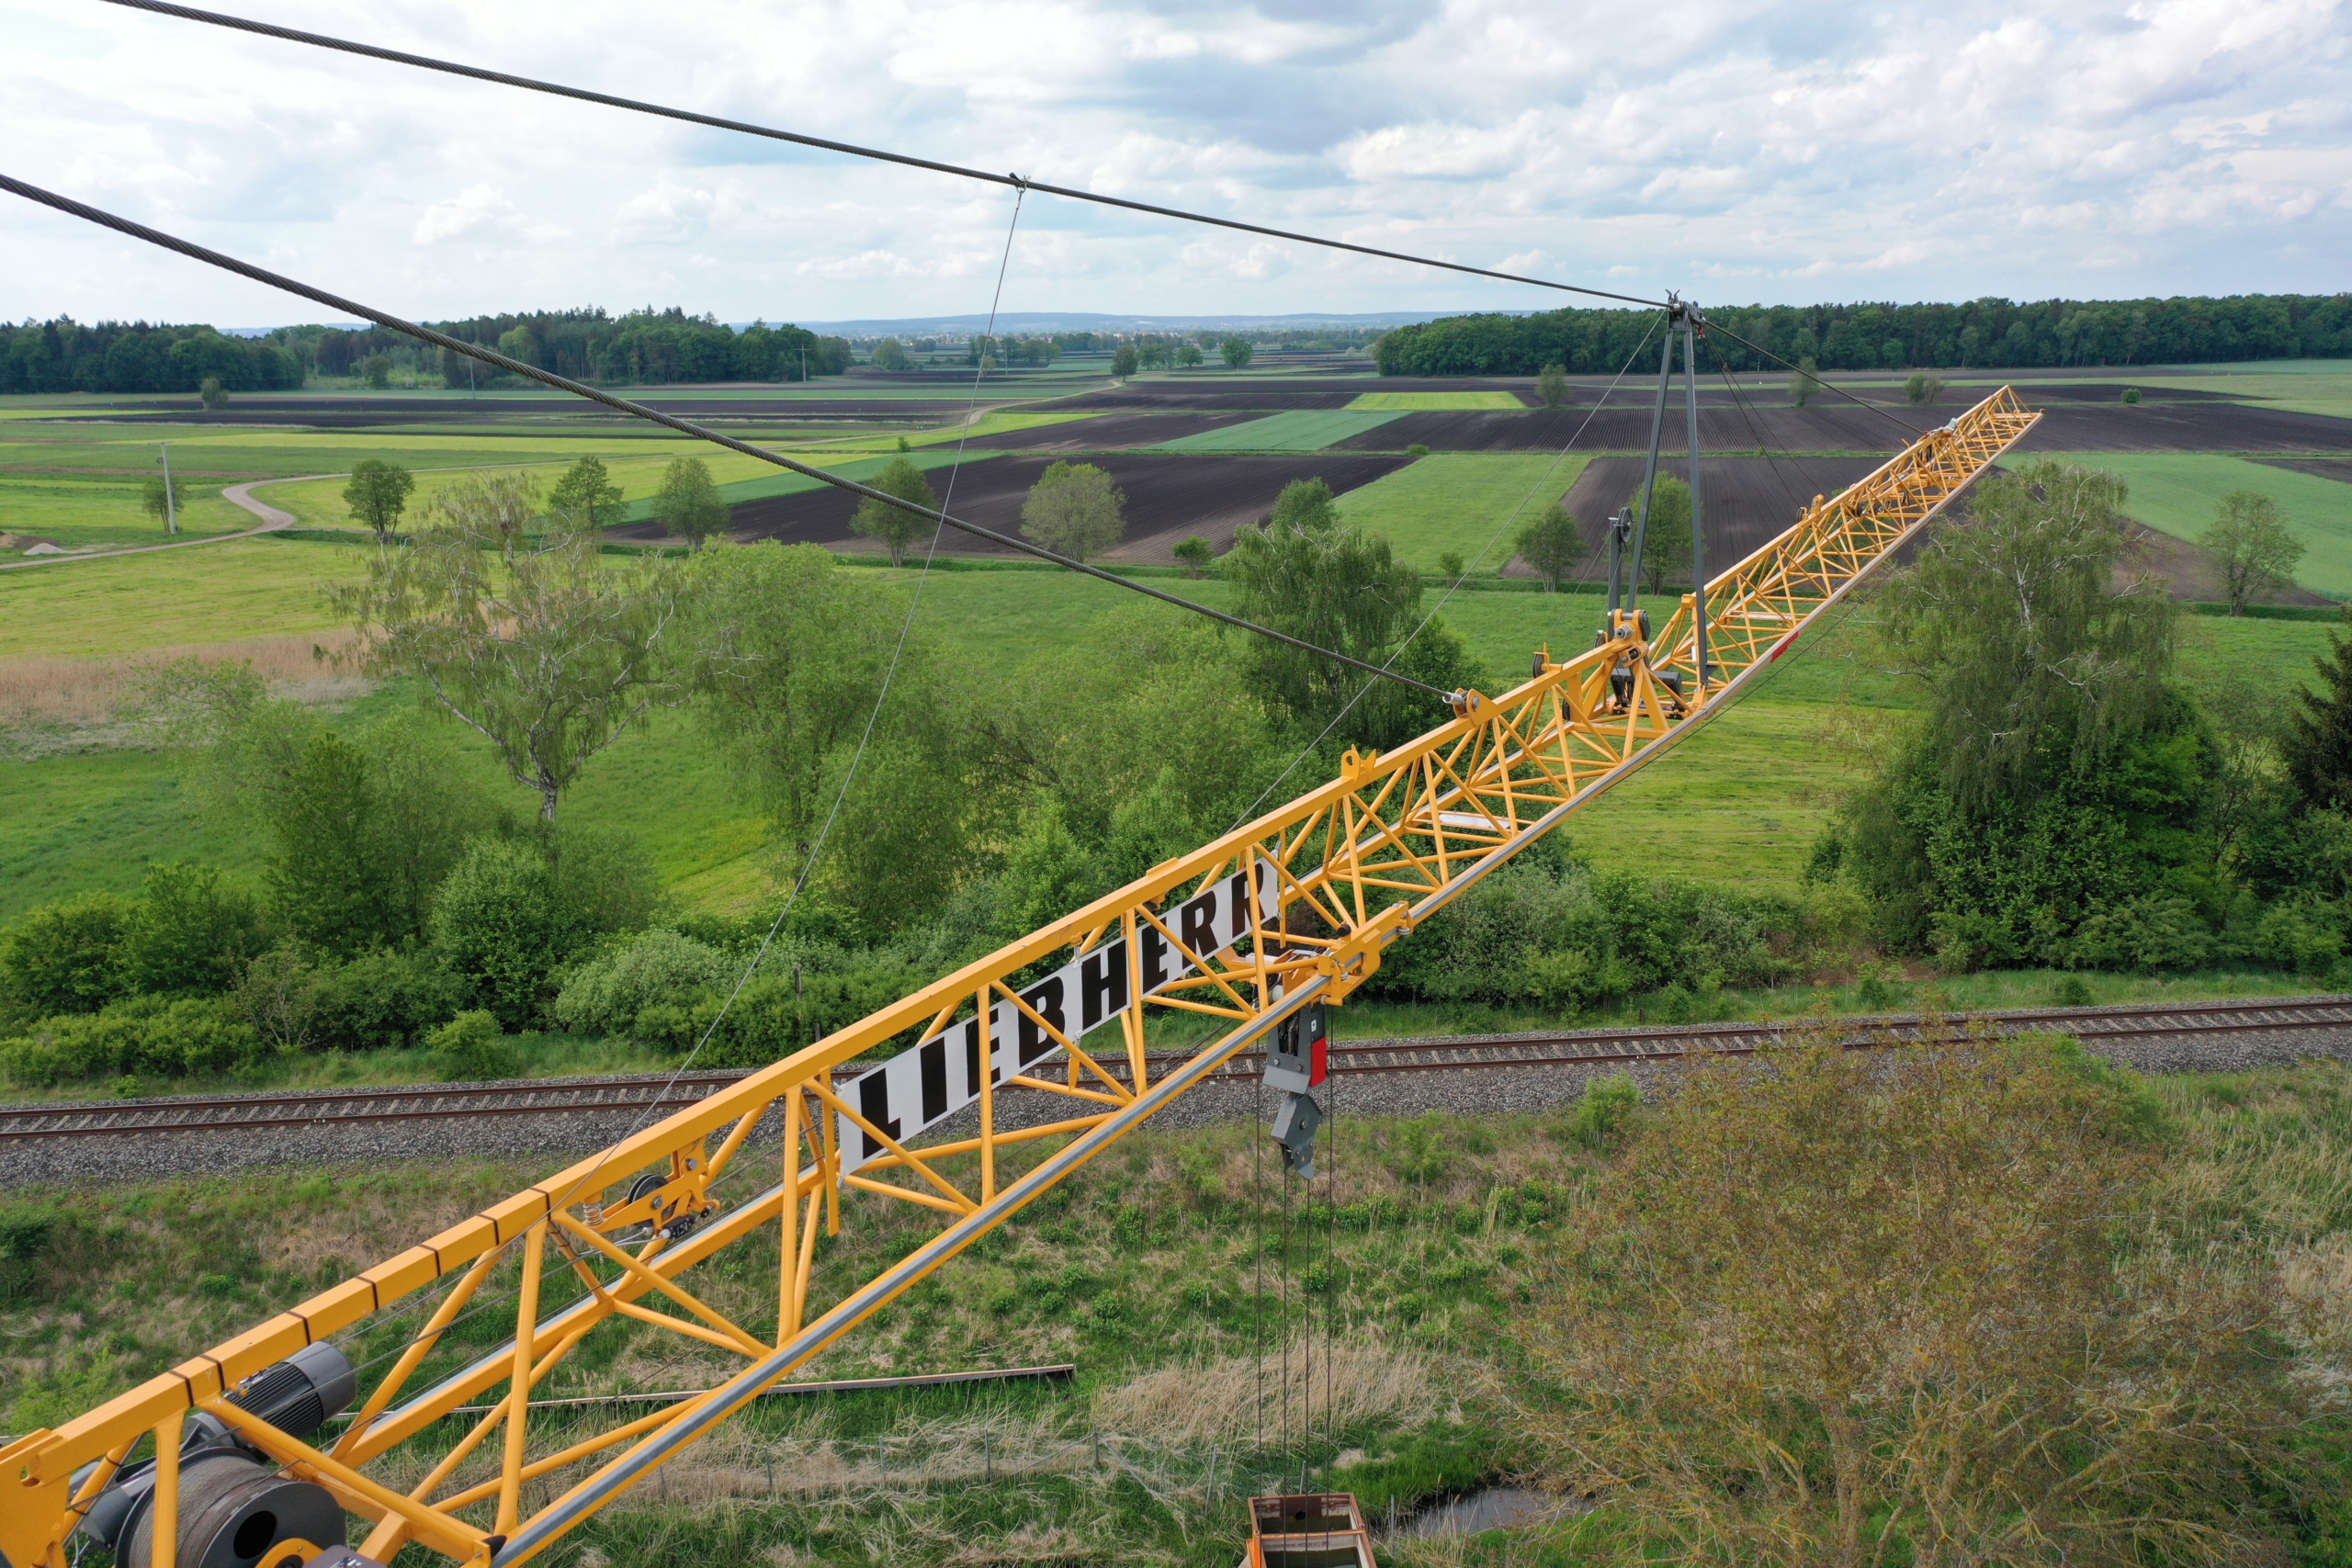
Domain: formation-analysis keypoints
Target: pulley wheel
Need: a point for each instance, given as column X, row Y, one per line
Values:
column 234, row 1511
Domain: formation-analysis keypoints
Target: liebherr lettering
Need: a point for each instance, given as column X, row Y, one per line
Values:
column 917, row 1090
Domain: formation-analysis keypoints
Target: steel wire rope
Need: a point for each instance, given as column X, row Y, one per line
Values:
column 1757, row 430
column 1756, row 348
column 1257, row 1286
column 701, row 433
column 745, row 128
column 1455, row 586
column 1755, row 427
column 1332, row 1266
column 848, row 778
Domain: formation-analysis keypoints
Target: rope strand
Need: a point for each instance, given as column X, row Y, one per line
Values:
column 744, row 127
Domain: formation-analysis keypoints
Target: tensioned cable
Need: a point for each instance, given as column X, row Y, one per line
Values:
column 1454, row 587
column 426, row 62
column 848, row 778
column 1756, row 348
column 1756, row 429
column 688, row 428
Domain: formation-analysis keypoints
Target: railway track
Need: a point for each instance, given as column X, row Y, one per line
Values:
column 651, row 1093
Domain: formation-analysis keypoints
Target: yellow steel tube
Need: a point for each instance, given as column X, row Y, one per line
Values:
column 1345, row 848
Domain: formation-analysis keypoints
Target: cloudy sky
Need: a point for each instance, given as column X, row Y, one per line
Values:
column 1737, row 150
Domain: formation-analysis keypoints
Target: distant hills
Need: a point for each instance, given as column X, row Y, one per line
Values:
column 1032, row 321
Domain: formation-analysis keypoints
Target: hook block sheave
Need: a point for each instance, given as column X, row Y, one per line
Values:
column 915, row 1105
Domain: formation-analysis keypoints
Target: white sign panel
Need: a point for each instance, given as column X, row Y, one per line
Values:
column 917, row 1090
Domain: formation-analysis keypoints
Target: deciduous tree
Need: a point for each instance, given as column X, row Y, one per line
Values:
column 378, row 494
column 2011, row 621
column 1076, row 509
column 1238, row 351
column 1551, row 545
column 1665, row 542
column 2252, row 547
column 1193, row 552
column 895, row 527
column 161, row 497
column 584, row 497
column 1303, row 572
column 1804, row 382
column 792, row 654
column 1922, row 389
column 1123, row 359
column 549, row 650
column 1551, row 386
column 688, row 504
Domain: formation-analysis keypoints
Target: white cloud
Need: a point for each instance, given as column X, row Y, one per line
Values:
column 671, row 213
column 1799, row 152
column 481, row 212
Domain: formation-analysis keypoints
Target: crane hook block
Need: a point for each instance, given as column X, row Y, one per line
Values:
column 1295, row 1126
column 1299, row 1055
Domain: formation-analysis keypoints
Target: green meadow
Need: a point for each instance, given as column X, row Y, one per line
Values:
column 1300, row 430
column 2177, row 492
column 1405, row 401
column 1467, row 501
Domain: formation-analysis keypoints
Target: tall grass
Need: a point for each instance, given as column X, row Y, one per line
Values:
column 38, row 688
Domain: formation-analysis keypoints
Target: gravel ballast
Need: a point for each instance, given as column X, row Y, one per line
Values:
column 32, row 1162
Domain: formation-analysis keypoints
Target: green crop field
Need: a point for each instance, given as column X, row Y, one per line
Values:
column 1461, row 500
column 2176, row 491
column 1301, row 430
column 1402, row 402
column 2306, row 385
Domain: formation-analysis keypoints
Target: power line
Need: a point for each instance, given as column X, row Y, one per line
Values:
column 686, row 427
column 1710, row 325
column 744, row 127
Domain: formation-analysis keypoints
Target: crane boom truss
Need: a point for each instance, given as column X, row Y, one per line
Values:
column 1311, row 894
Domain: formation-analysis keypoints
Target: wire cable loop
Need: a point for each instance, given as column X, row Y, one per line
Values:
column 687, row 427
column 504, row 79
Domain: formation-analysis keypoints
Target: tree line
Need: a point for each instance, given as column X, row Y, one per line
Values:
column 1980, row 334
column 643, row 347
column 62, row 356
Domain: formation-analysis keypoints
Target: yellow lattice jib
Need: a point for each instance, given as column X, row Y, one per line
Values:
column 1293, row 908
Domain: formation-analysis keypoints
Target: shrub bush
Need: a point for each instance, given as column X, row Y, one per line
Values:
column 68, row 956
column 28, row 1236
column 385, row 1000
column 1609, row 1102
column 771, row 1019
column 191, row 934
column 502, row 926
column 2153, row 931
column 1555, row 933
column 182, row 1038
column 470, row 1048
column 604, row 995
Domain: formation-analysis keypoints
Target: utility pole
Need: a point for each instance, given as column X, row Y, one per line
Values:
column 171, row 502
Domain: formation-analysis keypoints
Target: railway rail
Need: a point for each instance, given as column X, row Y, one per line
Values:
column 664, row 1093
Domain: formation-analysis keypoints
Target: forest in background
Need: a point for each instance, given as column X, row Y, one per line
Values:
column 1980, row 334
